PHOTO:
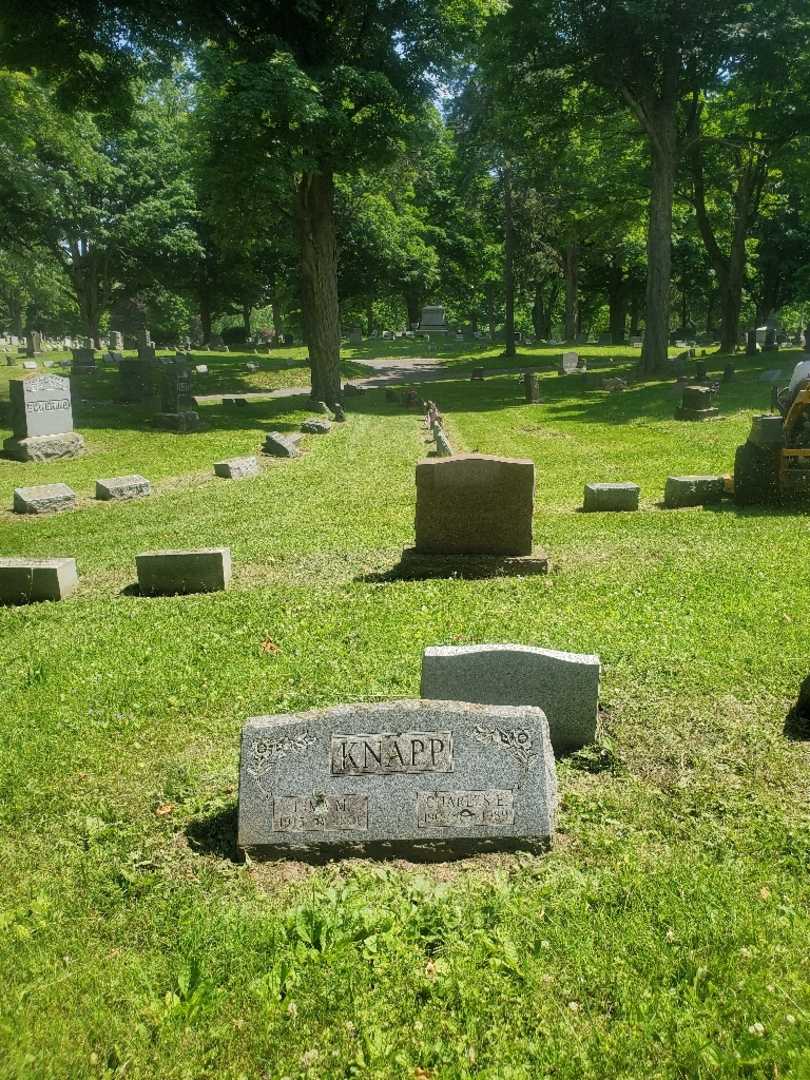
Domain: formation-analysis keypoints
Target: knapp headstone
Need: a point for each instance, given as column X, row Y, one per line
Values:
column 419, row 778
column 564, row 685
column 42, row 420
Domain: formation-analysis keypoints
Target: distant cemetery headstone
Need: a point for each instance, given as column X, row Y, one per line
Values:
column 697, row 404
column 236, row 468
column 43, row 499
column 355, row 336
column 123, row 487
column 26, row 581
column 423, row 778
column 568, row 363
column 30, row 365
column 84, row 360
column 277, row 444
column 474, row 514
column 137, row 380
column 611, row 497
column 683, row 491
column 42, row 420
column 433, row 321
column 531, row 387
column 173, row 572
column 177, row 404
column 564, row 685
column 116, row 341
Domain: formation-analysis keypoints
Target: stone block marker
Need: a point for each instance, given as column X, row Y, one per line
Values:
column 622, row 496
column 474, row 504
column 697, row 404
column 564, row 685
column 316, row 425
column 170, row 572
column 123, row 487
column 278, row 445
column 423, row 778
column 25, row 581
column 237, row 468
column 44, row 499
column 693, row 490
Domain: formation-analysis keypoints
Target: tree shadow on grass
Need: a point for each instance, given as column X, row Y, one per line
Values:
column 797, row 721
column 215, row 834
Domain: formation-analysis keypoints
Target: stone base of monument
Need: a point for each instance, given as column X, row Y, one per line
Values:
column 181, row 422
column 26, row 581
column 423, row 779
column 682, row 413
column 45, row 447
column 416, row 564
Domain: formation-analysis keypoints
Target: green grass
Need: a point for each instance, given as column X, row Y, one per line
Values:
column 665, row 935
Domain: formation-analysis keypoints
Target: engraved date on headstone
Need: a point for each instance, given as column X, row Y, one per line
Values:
column 457, row 809
column 305, row 813
column 383, row 753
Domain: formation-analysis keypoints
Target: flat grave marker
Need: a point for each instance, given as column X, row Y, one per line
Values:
column 167, row 573
column 26, row 581
column 123, row 487
column 43, row 499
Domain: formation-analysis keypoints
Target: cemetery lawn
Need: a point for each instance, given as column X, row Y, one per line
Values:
column 665, row 935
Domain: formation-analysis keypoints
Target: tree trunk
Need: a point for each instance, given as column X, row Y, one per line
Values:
column 205, row 318
column 246, row 311
column 370, row 318
column 490, row 294
column 635, row 314
column 710, row 301
column 571, row 282
column 659, row 241
column 617, row 304
column 538, row 310
column 508, row 264
column 321, row 314
column 278, row 322
column 413, row 302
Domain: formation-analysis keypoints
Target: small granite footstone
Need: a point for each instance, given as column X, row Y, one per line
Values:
column 236, row 468
column 474, row 504
column 422, row 778
column 693, row 490
column 25, row 581
column 564, row 685
column 123, row 487
column 623, row 496
column 170, row 572
column 278, row 445
column 316, row 425
column 44, row 499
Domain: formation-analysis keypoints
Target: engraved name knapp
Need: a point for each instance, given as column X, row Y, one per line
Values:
column 385, row 753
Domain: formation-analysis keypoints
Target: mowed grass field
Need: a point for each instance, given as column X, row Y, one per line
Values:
column 667, row 934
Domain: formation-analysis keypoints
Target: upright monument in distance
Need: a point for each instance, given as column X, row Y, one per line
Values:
column 433, row 321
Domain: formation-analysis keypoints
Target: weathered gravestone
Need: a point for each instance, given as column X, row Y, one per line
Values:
column 137, row 380
column 682, row 491
column 355, row 336
column 277, row 444
column 42, row 420
column 26, row 581
column 419, row 778
column 568, row 363
column 564, row 685
column 611, row 497
column 171, row 572
column 43, row 499
column 84, row 361
column 433, row 321
column 474, row 515
column 30, row 365
column 316, row 425
column 697, row 403
column 177, row 404
column 236, row 468
column 123, row 487
column 116, row 341
column 531, row 387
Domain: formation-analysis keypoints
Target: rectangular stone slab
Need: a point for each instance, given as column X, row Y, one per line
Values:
column 693, row 490
column 474, row 504
column 171, row 572
column 43, row 499
column 564, row 685
column 40, row 406
column 622, row 496
column 236, row 468
column 123, row 487
column 420, row 778
column 24, row 581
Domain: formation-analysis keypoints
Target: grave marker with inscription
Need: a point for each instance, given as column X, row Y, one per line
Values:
column 426, row 778
column 42, row 420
